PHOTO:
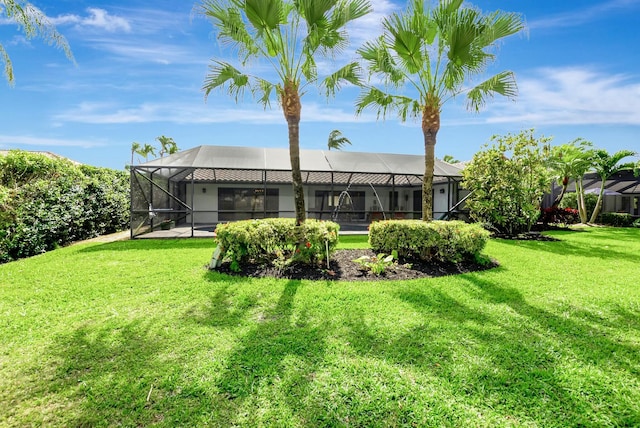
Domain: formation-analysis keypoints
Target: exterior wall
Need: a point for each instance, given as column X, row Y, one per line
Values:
column 377, row 205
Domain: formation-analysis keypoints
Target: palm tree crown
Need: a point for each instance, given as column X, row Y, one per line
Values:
column 434, row 53
column 337, row 140
column 288, row 35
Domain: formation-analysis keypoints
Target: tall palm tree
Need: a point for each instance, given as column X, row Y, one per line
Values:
column 337, row 140
column 287, row 35
column 33, row 23
column 435, row 52
column 606, row 165
column 135, row 149
column 167, row 145
column 570, row 160
column 147, row 150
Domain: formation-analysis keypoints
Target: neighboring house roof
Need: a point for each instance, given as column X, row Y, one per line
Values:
column 230, row 163
column 624, row 183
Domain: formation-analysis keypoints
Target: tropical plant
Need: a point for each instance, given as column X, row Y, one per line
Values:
column 287, row 35
column 436, row 52
column 507, row 182
column 33, row 23
column 607, row 165
column 337, row 140
column 167, row 145
column 450, row 159
column 135, row 149
column 570, row 160
column 379, row 263
column 147, row 150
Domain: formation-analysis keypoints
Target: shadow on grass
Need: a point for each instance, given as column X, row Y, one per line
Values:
column 103, row 375
column 279, row 355
column 583, row 249
column 519, row 364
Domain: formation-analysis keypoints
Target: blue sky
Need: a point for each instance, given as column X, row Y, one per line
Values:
column 140, row 66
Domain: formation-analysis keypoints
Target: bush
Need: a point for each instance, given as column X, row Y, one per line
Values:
column 636, row 223
column 41, row 212
column 276, row 240
column 559, row 216
column 448, row 241
column 570, row 200
column 617, row 219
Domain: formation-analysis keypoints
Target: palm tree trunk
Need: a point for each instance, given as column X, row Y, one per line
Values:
column 596, row 210
column 582, row 208
column 430, row 128
column 558, row 199
column 292, row 108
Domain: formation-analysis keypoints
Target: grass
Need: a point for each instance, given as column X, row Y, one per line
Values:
column 138, row 333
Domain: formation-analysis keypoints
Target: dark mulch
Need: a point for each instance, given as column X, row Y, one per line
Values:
column 343, row 268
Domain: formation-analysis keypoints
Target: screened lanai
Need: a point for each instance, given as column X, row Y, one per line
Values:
column 206, row 185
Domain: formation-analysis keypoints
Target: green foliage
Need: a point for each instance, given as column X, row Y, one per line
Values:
column 636, row 223
column 570, row 200
column 276, row 240
column 507, row 182
column 54, row 202
column 379, row 263
column 449, row 241
column 617, row 219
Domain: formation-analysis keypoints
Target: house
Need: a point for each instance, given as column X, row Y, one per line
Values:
column 206, row 185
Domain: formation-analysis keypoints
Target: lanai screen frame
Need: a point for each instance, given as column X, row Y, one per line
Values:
column 159, row 188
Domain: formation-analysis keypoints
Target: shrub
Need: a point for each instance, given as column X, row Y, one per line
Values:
column 449, row 241
column 559, row 216
column 507, row 182
column 636, row 223
column 276, row 240
column 617, row 219
column 570, row 200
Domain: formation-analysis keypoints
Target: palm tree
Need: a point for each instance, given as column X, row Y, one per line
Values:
column 336, row 140
column 288, row 35
column 135, row 149
column 606, row 165
column 33, row 23
column 435, row 52
column 167, row 145
column 570, row 160
column 147, row 150
column 450, row 159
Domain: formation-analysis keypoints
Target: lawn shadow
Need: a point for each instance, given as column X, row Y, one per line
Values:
column 103, row 374
column 279, row 355
column 515, row 365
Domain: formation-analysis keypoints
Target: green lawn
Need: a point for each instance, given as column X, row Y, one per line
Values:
column 138, row 333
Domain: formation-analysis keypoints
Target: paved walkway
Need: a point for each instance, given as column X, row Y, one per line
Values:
column 118, row 236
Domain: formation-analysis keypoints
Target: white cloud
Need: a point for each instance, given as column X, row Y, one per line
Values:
column 25, row 140
column 96, row 18
column 572, row 96
column 101, row 113
column 582, row 15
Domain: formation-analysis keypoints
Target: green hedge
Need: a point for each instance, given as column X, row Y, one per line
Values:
column 617, row 219
column 275, row 240
column 46, row 203
column 450, row 241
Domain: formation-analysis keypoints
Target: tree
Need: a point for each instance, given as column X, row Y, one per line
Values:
column 33, row 23
column 336, row 140
column 288, row 35
column 450, row 159
column 507, row 182
column 435, row 52
column 167, row 145
column 606, row 165
column 135, row 149
column 570, row 160
column 147, row 150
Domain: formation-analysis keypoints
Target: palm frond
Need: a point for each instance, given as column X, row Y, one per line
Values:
column 503, row 83
column 350, row 73
column 381, row 62
column 375, row 99
column 262, row 91
column 221, row 75
column 8, row 67
column 405, row 42
column 231, row 28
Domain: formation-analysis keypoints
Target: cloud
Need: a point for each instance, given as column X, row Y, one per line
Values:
column 25, row 140
column 582, row 15
column 188, row 113
column 572, row 96
column 96, row 18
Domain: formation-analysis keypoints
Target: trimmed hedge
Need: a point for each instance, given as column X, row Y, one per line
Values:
column 617, row 219
column 276, row 240
column 448, row 241
column 46, row 203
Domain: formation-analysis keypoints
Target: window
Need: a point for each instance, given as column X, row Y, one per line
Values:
column 346, row 206
column 243, row 204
